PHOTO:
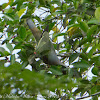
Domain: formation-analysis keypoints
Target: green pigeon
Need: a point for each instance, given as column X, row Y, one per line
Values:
column 44, row 46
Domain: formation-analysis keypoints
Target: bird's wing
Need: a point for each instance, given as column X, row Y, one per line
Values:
column 44, row 43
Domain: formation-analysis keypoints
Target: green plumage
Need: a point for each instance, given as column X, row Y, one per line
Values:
column 44, row 47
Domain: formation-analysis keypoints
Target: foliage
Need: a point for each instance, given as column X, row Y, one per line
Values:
column 77, row 21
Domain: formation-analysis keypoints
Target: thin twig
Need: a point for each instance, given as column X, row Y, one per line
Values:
column 96, row 52
column 56, row 25
column 88, row 96
column 45, row 10
column 43, row 13
column 61, row 23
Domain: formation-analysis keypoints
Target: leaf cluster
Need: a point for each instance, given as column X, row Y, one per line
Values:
column 77, row 22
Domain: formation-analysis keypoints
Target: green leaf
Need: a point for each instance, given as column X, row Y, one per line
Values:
column 55, row 71
column 56, row 2
column 83, row 41
column 94, row 89
column 9, row 46
column 65, row 6
column 12, row 59
column 6, row 53
column 84, row 26
column 72, row 20
column 91, row 31
column 58, row 34
column 14, row 68
column 10, row 2
column 14, row 3
column 42, row 2
column 93, row 21
column 8, row 10
column 81, row 64
column 4, row 5
column 24, row 64
column 84, row 81
column 95, row 70
column 73, row 57
column 20, row 12
column 96, row 60
column 2, row 51
column 18, row 46
column 8, row 16
column 92, row 51
column 78, row 90
column 2, row 62
column 58, row 12
column 51, row 25
column 97, row 13
column 61, row 51
column 73, row 25
column 84, row 56
column 95, row 97
column 22, row 32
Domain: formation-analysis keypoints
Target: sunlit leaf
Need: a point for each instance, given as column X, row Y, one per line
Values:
column 10, row 2
column 55, row 29
column 73, row 30
column 93, row 21
column 97, row 13
column 4, row 5
column 20, row 12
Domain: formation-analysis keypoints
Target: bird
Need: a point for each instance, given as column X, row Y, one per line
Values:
column 44, row 46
